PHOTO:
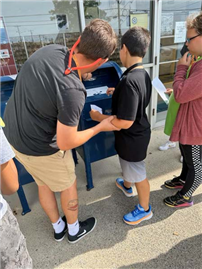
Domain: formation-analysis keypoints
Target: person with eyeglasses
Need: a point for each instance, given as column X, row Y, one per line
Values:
column 188, row 40
column 187, row 129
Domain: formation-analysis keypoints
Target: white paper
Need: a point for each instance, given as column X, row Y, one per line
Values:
column 180, row 32
column 166, row 24
column 160, row 88
column 13, row 76
column 5, row 78
column 97, row 108
column 97, row 91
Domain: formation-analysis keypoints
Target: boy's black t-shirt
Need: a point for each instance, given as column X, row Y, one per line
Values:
column 42, row 95
column 129, row 102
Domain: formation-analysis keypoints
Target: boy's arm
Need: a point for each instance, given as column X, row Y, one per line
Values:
column 9, row 178
column 97, row 116
column 119, row 123
column 122, row 124
column 9, row 175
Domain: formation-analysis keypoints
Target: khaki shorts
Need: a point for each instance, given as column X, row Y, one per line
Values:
column 57, row 171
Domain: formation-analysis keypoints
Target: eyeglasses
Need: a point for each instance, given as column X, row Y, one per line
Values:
column 189, row 39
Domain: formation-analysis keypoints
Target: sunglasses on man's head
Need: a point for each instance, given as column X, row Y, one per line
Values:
column 189, row 39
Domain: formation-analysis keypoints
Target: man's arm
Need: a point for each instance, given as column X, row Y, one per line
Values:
column 69, row 137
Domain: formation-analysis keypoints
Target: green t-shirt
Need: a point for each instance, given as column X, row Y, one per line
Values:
column 173, row 107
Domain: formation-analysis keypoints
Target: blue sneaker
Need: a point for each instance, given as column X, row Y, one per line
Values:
column 137, row 215
column 120, row 185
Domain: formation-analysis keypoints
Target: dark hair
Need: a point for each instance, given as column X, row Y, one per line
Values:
column 194, row 21
column 137, row 40
column 98, row 40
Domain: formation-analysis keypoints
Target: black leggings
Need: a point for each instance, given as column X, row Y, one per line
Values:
column 191, row 168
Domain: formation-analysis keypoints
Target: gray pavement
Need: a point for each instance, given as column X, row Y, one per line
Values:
column 171, row 239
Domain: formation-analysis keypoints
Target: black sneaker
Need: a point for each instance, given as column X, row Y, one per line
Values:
column 85, row 227
column 178, row 200
column 60, row 236
column 175, row 183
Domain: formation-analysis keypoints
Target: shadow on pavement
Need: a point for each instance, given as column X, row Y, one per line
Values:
column 185, row 255
column 111, row 230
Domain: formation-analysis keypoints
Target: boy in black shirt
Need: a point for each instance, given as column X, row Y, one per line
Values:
column 130, row 99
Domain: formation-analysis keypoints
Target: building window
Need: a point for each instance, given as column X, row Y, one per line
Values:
column 121, row 15
column 34, row 24
column 173, row 36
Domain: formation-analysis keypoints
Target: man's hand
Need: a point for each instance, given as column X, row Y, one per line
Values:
column 169, row 91
column 110, row 91
column 185, row 60
column 95, row 115
column 68, row 137
column 86, row 76
column 106, row 125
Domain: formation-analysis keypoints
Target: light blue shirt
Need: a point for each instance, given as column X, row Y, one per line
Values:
column 6, row 153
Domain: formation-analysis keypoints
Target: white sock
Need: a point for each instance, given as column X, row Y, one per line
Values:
column 73, row 228
column 59, row 226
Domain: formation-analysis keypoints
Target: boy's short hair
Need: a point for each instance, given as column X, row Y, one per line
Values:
column 194, row 21
column 137, row 40
column 98, row 40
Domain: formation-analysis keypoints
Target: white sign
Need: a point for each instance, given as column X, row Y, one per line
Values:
column 167, row 24
column 97, row 91
column 4, row 54
column 62, row 21
column 160, row 88
column 180, row 32
column 195, row 12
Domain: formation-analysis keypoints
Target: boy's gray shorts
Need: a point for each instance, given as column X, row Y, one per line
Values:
column 133, row 172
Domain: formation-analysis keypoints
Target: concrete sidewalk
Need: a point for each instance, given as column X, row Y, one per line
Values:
column 171, row 239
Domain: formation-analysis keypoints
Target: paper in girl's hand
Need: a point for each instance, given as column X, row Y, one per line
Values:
column 161, row 89
column 97, row 108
